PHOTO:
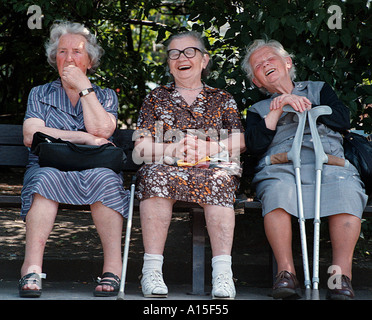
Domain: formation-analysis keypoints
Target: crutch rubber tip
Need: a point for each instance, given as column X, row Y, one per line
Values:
column 315, row 295
column 120, row 296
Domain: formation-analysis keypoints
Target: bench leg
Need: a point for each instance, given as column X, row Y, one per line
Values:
column 198, row 251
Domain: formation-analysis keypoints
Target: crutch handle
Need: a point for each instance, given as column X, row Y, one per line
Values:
column 277, row 158
column 282, row 157
column 336, row 161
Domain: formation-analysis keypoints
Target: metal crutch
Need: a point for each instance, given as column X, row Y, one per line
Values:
column 320, row 159
column 294, row 156
column 127, row 240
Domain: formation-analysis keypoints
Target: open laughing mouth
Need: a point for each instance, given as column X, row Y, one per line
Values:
column 269, row 72
column 184, row 68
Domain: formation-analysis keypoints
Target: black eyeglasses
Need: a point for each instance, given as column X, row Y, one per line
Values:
column 188, row 52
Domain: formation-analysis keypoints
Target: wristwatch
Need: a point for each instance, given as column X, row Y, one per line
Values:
column 84, row 92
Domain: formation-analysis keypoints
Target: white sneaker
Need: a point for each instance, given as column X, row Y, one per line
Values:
column 153, row 285
column 223, row 287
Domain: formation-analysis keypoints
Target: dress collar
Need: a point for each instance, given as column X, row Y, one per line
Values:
column 58, row 98
column 297, row 87
column 172, row 86
column 300, row 86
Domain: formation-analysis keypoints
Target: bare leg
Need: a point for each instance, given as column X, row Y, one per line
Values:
column 344, row 232
column 39, row 223
column 220, row 223
column 156, row 215
column 109, row 226
column 278, row 229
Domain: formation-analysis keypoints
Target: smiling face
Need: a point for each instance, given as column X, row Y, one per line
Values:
column 270, row 69
column 72, row 51
column 187, row 70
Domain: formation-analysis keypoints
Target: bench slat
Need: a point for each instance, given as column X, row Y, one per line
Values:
column 11, row 134
column 13, row 156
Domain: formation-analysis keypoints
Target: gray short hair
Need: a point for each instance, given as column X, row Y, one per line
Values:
column 258, row 44
column 59, row 29
column 196, row 36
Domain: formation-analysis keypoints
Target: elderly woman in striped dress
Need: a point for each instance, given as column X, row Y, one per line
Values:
column 73, row 109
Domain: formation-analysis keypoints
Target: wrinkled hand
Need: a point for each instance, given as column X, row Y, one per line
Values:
column 95, row 141
column 75, row 78
column 192, row 149
column 298, row 103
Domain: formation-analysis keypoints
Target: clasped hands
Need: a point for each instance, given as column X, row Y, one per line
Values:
column 192, row 149
column 298, row 103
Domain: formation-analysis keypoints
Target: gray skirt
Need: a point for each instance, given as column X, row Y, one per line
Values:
column 341, row 190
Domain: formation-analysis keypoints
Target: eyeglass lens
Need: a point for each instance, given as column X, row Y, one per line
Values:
column 189, row 52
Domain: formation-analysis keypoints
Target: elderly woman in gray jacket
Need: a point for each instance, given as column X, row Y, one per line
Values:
column 269, row 131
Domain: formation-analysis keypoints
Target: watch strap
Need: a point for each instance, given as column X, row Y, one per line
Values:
column 84, row 92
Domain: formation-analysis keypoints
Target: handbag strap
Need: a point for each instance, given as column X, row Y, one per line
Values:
column 83, row 149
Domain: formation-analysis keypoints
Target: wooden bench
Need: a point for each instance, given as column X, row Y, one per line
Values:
column 14, row 154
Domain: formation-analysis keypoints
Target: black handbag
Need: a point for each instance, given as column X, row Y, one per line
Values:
column 68, row 156
column 358, row 150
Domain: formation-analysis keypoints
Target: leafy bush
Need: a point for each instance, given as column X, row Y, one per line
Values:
column 132, row 32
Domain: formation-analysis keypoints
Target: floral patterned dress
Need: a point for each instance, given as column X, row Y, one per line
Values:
column 164, row 109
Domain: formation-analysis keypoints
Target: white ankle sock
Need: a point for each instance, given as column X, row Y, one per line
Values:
column 152, row 262
column 221, row 264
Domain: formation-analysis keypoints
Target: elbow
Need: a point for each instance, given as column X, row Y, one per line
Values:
column 27, row 141
column 28, row 136
column 103, row 128
column 103, row 132
column 107, row 134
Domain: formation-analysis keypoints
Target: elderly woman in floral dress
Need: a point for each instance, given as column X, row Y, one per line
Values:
column 183, row 106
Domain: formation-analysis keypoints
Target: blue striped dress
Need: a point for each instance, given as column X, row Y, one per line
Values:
column 50, row 103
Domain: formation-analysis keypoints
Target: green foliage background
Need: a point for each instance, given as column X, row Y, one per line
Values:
column 132, row 33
